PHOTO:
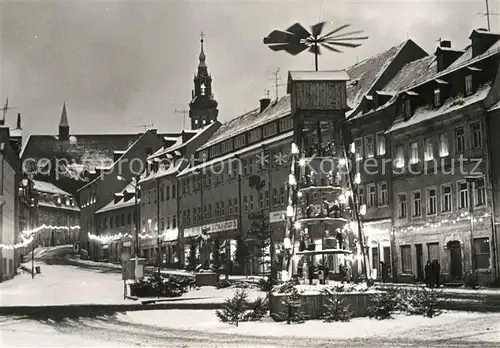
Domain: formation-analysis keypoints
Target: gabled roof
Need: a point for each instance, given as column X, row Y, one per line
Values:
column 250, row 120
column 428, row 112
column 364, row 74
column 411, row 73
column 325, row 75
column 178, row 141
column 47, row 187
column 115, row 162
column 121, row 203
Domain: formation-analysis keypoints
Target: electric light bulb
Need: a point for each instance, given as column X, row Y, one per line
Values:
column 289, row 211
column 342, row 162
column 302, row 162
column 353, row 148
column 297, row 225
column 295, row 149
column 299, row 194
column 357, row 179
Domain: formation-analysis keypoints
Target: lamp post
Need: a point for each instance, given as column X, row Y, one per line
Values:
column 137, row 188
column 267, row 199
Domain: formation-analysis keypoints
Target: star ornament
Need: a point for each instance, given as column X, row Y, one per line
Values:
column 280, row 159
column 262, row 159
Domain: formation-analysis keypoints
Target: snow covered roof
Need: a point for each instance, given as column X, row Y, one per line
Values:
column 364, row 74
column 250, row 120
column 179, row 144
column 411, row 73
column 193, row 168
column 495, row 106
column 428, row 112
column 170, row 168
column 47, row 204
column 121, row 203
column 16, row 133
column 47, row 187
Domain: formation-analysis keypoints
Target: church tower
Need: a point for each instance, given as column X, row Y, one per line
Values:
column 203, row 107
column 64, row 125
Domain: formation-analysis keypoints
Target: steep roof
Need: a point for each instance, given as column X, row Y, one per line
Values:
column 411, row 73
column 250, row 120
column 365, row 73
column 47, row 187
column 122, row 203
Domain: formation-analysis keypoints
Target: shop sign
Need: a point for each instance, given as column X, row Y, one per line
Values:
column 212, row 228
column 276, row 216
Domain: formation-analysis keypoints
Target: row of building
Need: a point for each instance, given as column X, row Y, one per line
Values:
column 422, row 128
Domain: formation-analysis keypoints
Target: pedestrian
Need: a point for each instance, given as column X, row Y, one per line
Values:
column 340, row 238
column 427, row 271
column 383, row 271
column 311, row 271
column 437, row 272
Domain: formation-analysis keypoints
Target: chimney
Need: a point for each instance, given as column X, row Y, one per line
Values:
column 18, row 126
column 264, row 103
column 482, row 40
column 445, row 55
column 117, row 197
column 117, row 155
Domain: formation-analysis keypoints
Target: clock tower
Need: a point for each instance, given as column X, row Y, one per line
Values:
column 203, row 107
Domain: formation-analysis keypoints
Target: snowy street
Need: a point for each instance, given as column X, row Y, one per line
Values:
column 60, row 285
column 201, row 329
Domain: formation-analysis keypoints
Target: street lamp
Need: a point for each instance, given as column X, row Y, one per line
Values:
column 137, row 188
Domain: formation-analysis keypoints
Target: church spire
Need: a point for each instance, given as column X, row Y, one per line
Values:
column 202, row 53
column 203, row 106
column 64, row 125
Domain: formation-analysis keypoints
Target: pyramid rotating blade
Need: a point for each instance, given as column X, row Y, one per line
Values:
column 346, row 34
column 317, row 29
column 299, row 31
column 327, row 46
column 279, row 36
column 343, row 44
column 336, row 30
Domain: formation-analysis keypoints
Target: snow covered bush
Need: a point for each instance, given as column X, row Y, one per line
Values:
column 422, row 301
column 239, row 309
column 292, row 302
column 471, row 279
column 384, row 304
column 336, row 308
column 234, row 309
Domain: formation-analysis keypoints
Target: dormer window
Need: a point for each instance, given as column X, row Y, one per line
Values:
column 58, row 200
column 437, row 97
column 468, row 85
column 407, row 106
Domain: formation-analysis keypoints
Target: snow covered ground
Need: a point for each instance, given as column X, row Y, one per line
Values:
column 450, row 325
column 201, row 329
column 60, row 285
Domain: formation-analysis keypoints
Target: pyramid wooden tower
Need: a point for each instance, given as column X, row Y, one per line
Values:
column 321, row 205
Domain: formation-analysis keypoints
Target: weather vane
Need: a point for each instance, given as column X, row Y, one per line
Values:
column 297, row 39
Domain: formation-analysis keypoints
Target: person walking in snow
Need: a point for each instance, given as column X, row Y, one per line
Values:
column 427, row 272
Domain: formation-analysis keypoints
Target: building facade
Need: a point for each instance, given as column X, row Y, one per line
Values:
column 57, row 215
column 9, row 206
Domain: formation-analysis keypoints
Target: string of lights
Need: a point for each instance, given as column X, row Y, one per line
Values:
column 27, row 236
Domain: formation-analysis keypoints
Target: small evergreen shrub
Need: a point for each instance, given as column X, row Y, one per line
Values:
column 424, row 301
column 257, row 309
column 336, row 308
column 292, row 312
column 234, row 309
column 385, row 304
column 239, row 309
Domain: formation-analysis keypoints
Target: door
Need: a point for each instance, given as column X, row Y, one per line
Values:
column 420, row 259
column 387, row 260
column 455, row 260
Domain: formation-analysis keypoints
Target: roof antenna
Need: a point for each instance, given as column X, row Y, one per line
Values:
column 183, row 112
column 276, row 79
column 4, row 109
